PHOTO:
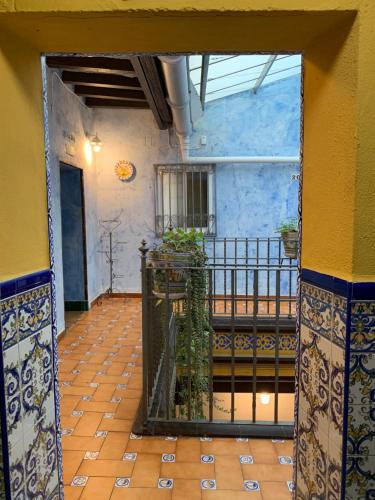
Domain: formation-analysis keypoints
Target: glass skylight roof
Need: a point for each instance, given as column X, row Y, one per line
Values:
column 230, row 74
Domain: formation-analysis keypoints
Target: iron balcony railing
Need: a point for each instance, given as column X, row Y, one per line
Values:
column 211, row 379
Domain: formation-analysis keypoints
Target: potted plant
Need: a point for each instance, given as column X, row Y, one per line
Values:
column 289, row 234
column 178, row 251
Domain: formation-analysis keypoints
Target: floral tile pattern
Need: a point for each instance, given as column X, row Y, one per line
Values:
column 362, row 328
column 321, row 394
column 28, row 360
column 336, row 375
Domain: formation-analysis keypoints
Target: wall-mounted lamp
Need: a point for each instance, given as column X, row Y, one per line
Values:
column 264, row 398
column 96, row 143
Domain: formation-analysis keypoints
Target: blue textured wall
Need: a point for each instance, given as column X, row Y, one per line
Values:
column 72, row 234
column 252, row 200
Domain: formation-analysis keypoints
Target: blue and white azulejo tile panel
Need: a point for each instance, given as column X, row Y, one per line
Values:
column 27, row 363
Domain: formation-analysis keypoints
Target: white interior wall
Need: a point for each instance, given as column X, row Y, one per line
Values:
column 130, row 135
column 69, row 119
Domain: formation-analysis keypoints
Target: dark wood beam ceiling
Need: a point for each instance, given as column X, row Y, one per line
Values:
column 96, row 102
column 115, row 93
column 100, row 80
column 112, row 82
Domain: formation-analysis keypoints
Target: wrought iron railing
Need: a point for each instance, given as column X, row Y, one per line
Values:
column 211, row 383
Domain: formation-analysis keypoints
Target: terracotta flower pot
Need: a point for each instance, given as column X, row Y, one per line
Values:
column 290, row 241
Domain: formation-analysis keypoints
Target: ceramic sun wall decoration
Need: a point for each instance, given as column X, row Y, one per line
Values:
column 125, row 171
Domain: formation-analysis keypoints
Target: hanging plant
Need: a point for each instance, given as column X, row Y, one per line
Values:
column 289, row 235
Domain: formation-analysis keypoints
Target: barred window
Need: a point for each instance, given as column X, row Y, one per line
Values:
column 185, row 197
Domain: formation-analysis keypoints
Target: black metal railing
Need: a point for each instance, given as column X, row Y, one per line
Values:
column 210, row 358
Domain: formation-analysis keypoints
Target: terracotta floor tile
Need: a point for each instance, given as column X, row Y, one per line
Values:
column 188, row 470
column 272, row 490
column 72, row 492
column 228, row 472
column 68, row 422
column 99, row 488
column 224, row 446
column 231, row 495
column 85, row 377
column 112, row 379
column 285, row 448
column 114, row 446
column 188, row 450
column 153, row 445
column 106, row 468
column 141, row 494
column 146, row 471
column 115, row 424
column 265, row 472
column 97, row 406
column 81, row 443
column 186, row 489
column 103, row 326
column 71, row 462
column 88, row 424
column 68, row 404
column 104, row 392
column 263, row 451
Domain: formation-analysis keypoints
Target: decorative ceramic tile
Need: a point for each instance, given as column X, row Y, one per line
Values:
column 250, row 485
column 13, row 396
column 242, row 440
column 361, row 431
column 130, row 457
column 36, row 368
column 125, row 374
column 122, row 482
column 91, row 455
column 336, row 403
column 362, row 329
column 67, row 432
column 361, row 379
column 316, row 309
column 246, row 459
column 40, row 459
column 121, row 386
column 205, row 439
column 77, row 413
column 17, row 470
column 165, row 483
column 116, row 399
column 34, row 311
column 79, row 481
column 171, row 438
column 360, row 478
column 291, row 486
column 109, row 415
column 207, row 459
column 339, row 314
column 208, row 484
column 135, row 436
column 168, row 457
column 8, row 323
column 311, row 463
column 101, row 434
column 314, row 377
column 283, row 460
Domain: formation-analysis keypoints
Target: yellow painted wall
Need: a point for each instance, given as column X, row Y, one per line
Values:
column 338, row 233
column 23, row 216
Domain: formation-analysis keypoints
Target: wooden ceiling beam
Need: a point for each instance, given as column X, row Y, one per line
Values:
column 100, row 80
column 149, row 78
column 110, row 65
column 113, row 93
column 98, row 102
